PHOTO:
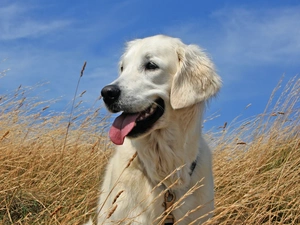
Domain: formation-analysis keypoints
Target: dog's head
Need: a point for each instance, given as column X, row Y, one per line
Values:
column 157, row 74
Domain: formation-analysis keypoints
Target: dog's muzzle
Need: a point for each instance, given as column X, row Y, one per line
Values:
column 130, row 123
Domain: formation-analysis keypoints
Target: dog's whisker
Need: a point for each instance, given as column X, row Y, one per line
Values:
column 163, row 109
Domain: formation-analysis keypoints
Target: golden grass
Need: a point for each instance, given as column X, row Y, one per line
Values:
column 257, row 165
column 43, row 178
column 49, row 175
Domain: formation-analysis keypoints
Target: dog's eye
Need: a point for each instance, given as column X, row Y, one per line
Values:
column 121, row 68
column 151, row 66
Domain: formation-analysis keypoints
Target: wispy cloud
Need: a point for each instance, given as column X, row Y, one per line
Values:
column 251, row 47
column 258, row 36
column 15, row 23
column 262, row 36
column 63, row 46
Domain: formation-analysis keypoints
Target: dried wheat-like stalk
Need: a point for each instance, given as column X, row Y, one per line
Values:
column 117, row 196
column 117, row 181
column 112, row 211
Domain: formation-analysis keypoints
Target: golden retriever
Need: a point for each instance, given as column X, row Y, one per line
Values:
column 162, row 91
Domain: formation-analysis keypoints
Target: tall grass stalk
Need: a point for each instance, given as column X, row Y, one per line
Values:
column 256, row 163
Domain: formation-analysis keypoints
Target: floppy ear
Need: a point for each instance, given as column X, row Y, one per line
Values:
column 196, row 79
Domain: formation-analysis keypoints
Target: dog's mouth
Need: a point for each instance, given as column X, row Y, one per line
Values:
column 135, row 124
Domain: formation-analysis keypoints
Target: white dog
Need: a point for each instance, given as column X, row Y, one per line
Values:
column 162, row 172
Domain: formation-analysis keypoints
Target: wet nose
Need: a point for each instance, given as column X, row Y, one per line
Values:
column 110, row 93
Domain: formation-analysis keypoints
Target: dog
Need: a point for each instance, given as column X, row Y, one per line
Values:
column 161, row 171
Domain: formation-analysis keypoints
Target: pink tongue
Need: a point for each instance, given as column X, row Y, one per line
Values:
column 122, row 125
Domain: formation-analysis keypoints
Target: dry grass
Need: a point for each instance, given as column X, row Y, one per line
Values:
column 257, row 165
column 45, row 177
column 51, row 176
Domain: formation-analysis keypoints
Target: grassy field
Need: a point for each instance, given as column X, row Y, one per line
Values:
column 51, row 164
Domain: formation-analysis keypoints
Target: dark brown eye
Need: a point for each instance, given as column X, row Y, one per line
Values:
column 121, row 68
column 151, row 66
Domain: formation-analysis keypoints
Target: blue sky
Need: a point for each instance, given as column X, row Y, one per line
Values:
column 252, row 43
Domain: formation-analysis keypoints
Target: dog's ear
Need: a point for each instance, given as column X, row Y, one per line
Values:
column 195, row 80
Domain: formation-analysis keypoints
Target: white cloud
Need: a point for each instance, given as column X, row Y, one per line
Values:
column 56, row 57
column 260, row 36
column 15, row 22
column 251, row 48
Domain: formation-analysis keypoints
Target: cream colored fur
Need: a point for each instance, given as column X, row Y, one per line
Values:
column 185, row 80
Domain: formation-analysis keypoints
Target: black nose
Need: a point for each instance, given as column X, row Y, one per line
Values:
column 110, row 93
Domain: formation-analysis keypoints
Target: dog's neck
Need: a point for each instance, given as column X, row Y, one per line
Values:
column 173, row 149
